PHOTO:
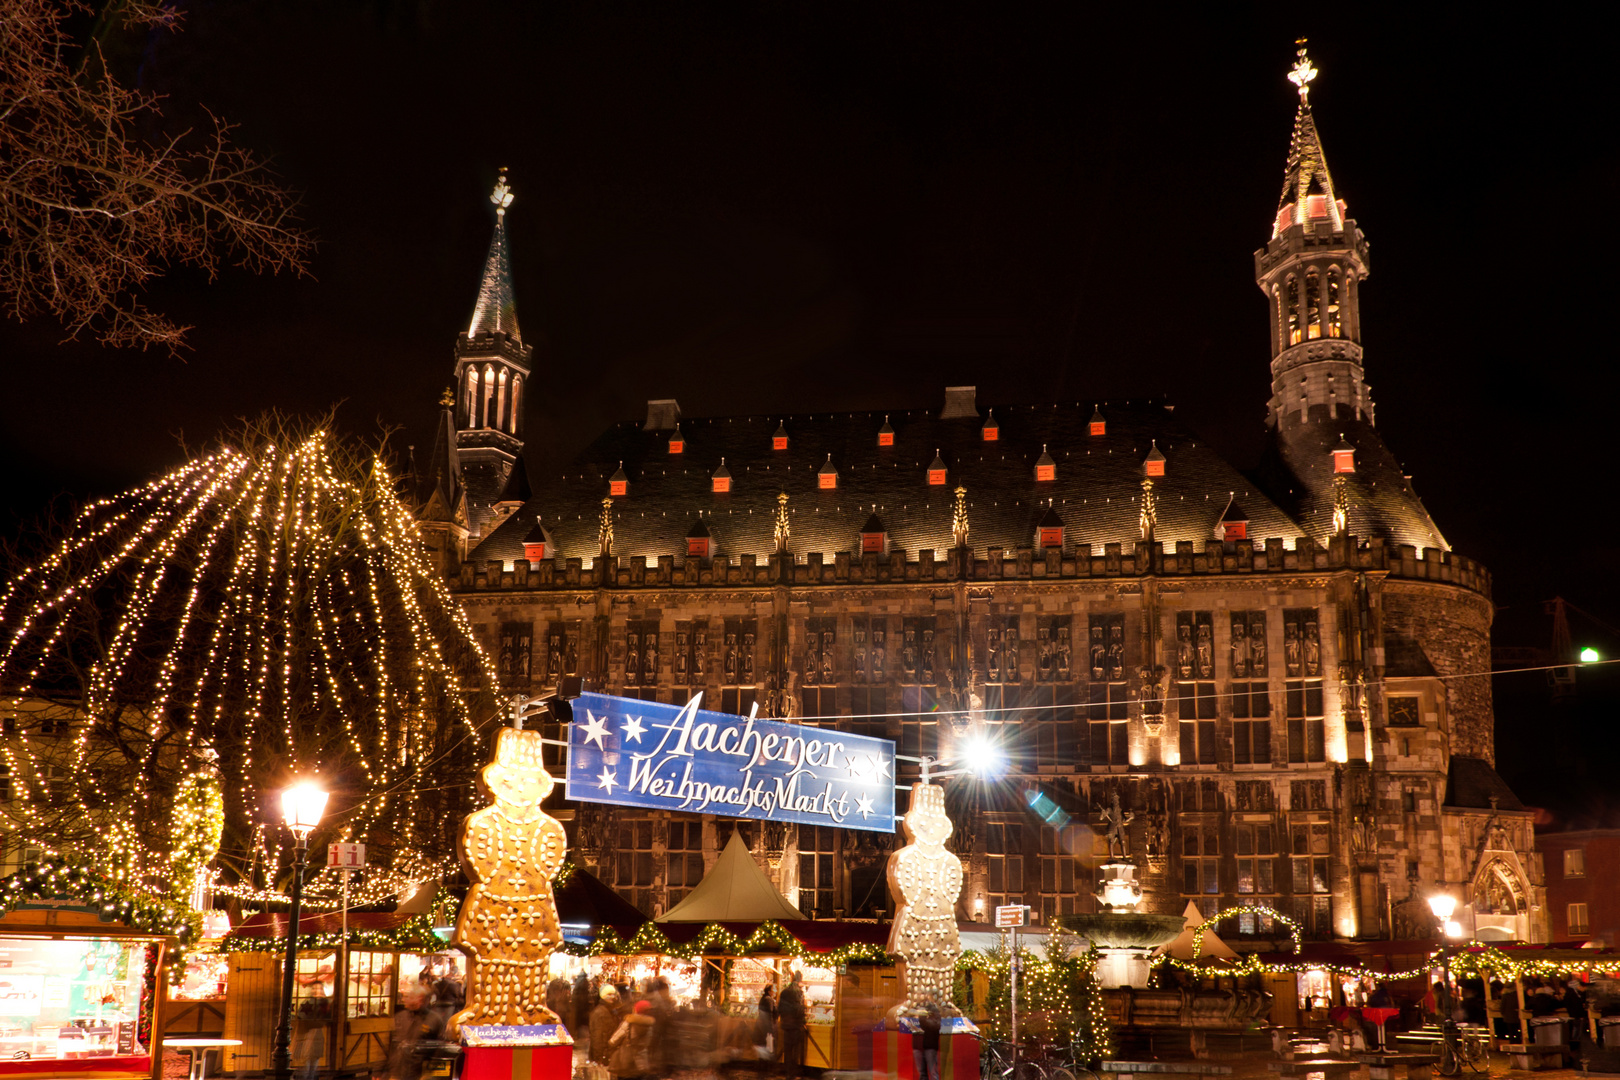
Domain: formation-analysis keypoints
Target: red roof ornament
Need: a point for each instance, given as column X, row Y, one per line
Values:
column 1049, row 533
column 699, row 541
column 991, row 430
column 619, row 483
column 1098, row 426
column 537, row 544
column 779, row 440
column 936, row 470
column 874, row 535
column 721, row 479
column 885, row 433
column 677, row 441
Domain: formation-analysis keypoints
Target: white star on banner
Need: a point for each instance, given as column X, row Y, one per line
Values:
column 863, row 803
column 859, row 765
column 634, row 729
column 606, row 780
column 595, row 728
column 883, row 766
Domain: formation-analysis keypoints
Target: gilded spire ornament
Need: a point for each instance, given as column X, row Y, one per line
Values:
column 1341, row 506
column 1302, row 73
column 502, row 195
column 604, row 526
column 1150, row 510
column 447, row 400
column 783, row 529
column 959, row 521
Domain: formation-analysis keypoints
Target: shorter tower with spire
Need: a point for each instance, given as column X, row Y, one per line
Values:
column 492, row 380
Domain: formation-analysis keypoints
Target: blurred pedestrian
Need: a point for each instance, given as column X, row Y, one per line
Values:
column 605, row 1020
column 631, row 1042
column 413, row 1023
column 560, row 1000
column 925, row 1047
column 791, row 1017
column 765, row 1025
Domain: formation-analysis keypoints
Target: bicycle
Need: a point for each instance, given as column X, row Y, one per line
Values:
column 1463, row 1049
column 996, row 1063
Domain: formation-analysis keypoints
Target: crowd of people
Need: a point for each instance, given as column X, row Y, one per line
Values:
column 639, row 1033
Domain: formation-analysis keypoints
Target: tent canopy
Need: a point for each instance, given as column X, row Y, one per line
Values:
column 1182, row 947
column 735, row 890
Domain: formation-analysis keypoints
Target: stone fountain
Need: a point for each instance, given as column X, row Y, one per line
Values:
column 1125, row 938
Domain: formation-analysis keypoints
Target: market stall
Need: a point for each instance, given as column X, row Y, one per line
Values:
column 80, row 963
column 350, row 993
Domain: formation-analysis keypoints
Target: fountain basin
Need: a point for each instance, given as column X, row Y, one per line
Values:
column 1123, row 929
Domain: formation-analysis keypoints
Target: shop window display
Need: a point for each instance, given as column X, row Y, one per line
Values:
column 79, row 998
column 204, row 978
column 371, row 984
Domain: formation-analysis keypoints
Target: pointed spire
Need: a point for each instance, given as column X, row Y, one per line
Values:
column 1307, row 193
column 783, row 529
column 517, row 490
column 496, row 310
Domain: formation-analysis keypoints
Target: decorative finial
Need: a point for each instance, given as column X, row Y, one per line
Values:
column 959, row 520
column 1149, row 519
column 502, row 195
column 1341, row 506
column 782, row 527
column 604, row 527
column 448, row 398
column 1302, row 73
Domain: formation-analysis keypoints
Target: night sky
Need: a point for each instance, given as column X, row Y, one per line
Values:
column 763, row 207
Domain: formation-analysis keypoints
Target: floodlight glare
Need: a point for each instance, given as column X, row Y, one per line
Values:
column 983, row 755
column 1590, row 656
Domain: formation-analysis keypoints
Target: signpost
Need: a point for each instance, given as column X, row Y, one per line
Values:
column 628, row 752
column 1010, row 917
column 347, row 858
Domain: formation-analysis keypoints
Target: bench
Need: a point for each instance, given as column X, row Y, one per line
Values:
column 1165, row 1068
column 1529, row 1056
column 1324, row 1067
column 1398, row 1066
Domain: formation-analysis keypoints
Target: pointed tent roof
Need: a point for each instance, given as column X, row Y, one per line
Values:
column 496, row 310
column 734, row 890
column 517, row 485
column 1307, row 172
column 1182, row 947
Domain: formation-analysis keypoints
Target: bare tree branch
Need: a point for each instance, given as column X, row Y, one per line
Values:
column 91, row 211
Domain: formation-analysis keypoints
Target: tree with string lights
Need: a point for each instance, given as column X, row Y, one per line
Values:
column 176, row 653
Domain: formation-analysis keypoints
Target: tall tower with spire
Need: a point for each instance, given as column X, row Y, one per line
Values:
column 492, row 377
column 1311, row 272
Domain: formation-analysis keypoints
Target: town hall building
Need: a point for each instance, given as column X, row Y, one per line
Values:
column 1281, row 673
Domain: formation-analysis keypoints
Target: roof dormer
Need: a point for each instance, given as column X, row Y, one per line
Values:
column 1098, row 425
column 619, row 483
column 827, row 475
column 780, row 439
column 1045, row 467
column 886, row 432
column 677, row 441
column 721, row 480
column 1234, row 523
column 1344, row 457
column 874, row 536
column 537, row 544
column 1153, row 464
column 699, row 541
column 936, row 470
column 991, row 432
column 1049, row 532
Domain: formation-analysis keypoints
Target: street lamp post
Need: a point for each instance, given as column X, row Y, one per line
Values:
column 301, row 808
column 1443, row 905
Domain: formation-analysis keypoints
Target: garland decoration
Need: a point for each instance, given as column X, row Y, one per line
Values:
column 1243, row 909
column 716, row 940
column 62, row 880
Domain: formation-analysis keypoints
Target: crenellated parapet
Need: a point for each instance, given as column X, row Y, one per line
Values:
column 896, row 566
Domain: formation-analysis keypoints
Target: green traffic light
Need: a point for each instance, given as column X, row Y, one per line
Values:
column 1590, row 656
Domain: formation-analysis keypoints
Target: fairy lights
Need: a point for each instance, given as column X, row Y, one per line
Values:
column 271, row 601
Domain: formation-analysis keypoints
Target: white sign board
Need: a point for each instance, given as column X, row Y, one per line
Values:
column 1009, row 915
column 347, row 856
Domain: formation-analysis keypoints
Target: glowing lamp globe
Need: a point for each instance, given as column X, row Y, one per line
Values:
column 1454, row 929
column 301, row 807
column 1442, row 905
column 1590, row 656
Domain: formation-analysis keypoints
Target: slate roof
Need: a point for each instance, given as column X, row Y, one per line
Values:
column 1471, row 783
column 496, row 309
column 1096, row 490
column 1383, row 502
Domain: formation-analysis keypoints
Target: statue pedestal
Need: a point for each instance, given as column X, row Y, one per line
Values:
column 529, row 1052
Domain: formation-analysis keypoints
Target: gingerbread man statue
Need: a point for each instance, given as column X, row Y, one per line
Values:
column 925, row 881
column 508, row 926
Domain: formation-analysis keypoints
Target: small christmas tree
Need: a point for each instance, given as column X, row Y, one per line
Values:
column 1089, row 1012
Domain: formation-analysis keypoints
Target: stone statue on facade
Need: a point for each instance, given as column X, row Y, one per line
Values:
column 1115, row 820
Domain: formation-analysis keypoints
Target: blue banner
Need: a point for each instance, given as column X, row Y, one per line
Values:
column 671, row 757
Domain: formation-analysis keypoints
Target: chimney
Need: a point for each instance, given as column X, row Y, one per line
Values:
column 960, row 401
column 663, row 414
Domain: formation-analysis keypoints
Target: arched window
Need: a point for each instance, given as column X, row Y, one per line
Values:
column 1313, row 303
column 1334, row 283
column 1291, row 306
column 517, row 406
column 469, row 399
column 487, row 419
column 500, row 401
